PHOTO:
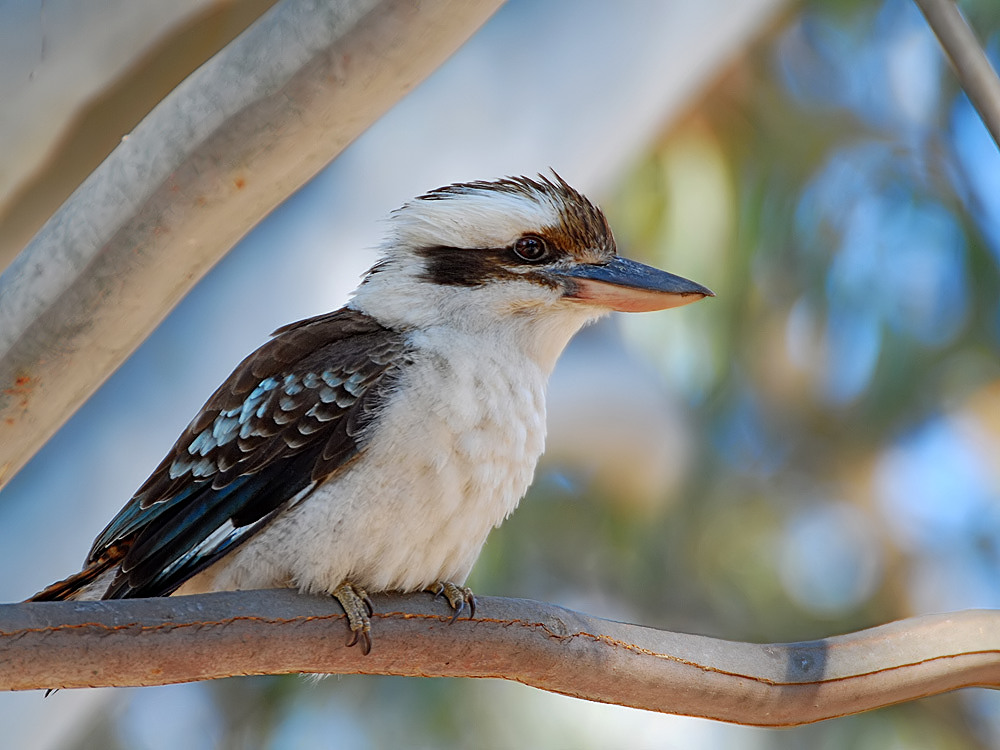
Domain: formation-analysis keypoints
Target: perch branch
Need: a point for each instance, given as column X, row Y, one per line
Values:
column 181, row 639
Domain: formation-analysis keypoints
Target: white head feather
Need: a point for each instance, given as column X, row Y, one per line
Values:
column 477, row 217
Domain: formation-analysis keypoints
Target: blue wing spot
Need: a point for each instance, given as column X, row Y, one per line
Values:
column 268, row 384
column 224, row 429
column 257, row 401
column 203, row 468
column 355, row 385
column 200, row 468
column 202, row 444
column 292, row 385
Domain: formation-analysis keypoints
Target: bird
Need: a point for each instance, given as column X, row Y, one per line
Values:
column 374, row 448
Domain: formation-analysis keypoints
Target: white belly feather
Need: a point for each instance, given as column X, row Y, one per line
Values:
column 449, row 458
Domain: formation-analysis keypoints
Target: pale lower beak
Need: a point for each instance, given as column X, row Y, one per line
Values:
column 628, row 286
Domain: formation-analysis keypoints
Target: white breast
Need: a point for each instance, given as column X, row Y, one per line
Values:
column 449, row 459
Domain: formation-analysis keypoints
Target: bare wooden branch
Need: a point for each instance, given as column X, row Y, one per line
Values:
column 181, row 639
column 967, row 57
column 213, row 158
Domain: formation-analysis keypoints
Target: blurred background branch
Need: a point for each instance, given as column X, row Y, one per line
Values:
column 223, row 149
column 180, row 639
column 973, row 68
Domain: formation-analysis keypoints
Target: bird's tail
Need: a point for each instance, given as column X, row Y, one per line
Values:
column 78, row 584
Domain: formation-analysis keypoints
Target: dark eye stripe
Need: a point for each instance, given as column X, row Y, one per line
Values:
column 458, row 266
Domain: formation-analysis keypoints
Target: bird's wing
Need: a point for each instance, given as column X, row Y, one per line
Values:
column 288, row 418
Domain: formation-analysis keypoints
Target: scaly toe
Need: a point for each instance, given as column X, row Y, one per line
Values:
column 358, row 607
column 458, row 597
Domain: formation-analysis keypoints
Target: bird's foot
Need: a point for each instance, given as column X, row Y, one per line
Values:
column 358, row 608
column 458, row 597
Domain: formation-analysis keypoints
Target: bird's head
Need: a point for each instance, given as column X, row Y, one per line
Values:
column 531, row 257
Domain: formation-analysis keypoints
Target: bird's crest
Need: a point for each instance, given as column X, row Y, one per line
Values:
column 487, row 215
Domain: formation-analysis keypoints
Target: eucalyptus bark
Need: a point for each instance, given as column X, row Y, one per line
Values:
column 182, row 639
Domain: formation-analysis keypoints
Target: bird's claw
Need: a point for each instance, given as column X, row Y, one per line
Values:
column 458, row 597
column 357, row 605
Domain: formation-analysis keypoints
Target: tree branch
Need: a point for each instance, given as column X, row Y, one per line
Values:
column 225, row 147
column 967, row 57
column 181, row 639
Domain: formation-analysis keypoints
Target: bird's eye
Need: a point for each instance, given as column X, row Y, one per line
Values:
column 531, row 248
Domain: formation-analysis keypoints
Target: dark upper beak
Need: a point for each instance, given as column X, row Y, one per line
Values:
column 627, row 286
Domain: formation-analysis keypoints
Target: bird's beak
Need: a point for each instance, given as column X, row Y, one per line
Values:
column 627, row 286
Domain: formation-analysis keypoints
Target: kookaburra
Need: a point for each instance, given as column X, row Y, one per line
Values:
column 373, row 448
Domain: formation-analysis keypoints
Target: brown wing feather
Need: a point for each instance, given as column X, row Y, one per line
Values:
column 289, row 416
